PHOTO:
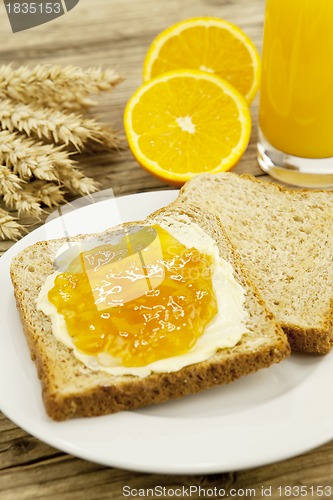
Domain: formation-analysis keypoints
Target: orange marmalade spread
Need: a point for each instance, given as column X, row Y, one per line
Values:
column 141, row 298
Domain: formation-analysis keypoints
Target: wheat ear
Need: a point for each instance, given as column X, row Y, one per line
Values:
column 29, row 201
column 30, row 158
column 47, row 193
column 66, row 87
column 24, row 202
column 76, row 182
column 55, row 125
column 9, row 182
column 9, row 228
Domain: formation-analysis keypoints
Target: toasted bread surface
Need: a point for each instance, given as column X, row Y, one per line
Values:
column 285, row 240
column 70, row 389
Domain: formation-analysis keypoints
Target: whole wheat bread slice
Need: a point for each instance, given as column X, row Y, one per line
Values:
column 285, row 239
column 71, row 390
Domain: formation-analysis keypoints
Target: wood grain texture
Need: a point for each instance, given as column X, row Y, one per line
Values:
column 117, row 33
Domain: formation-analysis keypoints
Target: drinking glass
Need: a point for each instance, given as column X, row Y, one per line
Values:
column 296, row 96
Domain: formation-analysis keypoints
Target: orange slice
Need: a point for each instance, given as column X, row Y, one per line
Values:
column 208, row 44
column 187, row 122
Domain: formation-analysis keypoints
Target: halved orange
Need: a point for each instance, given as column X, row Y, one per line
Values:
column 187, row 122
column 208, row 44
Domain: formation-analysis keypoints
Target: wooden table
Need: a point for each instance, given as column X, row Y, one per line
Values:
column 117, row 33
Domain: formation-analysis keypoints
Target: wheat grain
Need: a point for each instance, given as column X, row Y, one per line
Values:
column 30, row 158
column 55, row 125
column 76, row 182
column 110, row 141
column 25, row 202
column 47, row 193
column 66, row 87
column 9, row 182
column 10, row 229
column 29, row 201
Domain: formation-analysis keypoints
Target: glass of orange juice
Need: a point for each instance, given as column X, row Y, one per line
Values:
column 296, row 96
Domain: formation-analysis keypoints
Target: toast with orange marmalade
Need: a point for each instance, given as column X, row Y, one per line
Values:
column 143, row 313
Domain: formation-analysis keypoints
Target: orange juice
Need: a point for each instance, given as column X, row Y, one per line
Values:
column 296, row 100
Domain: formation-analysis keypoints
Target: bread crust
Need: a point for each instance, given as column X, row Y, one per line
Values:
column 316, row 340
column 311, row 340
column 86, row 393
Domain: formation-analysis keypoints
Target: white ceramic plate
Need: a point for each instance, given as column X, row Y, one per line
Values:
column 265, row 417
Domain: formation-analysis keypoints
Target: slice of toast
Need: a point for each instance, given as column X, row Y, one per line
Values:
column 285, row 240
column 70, row 389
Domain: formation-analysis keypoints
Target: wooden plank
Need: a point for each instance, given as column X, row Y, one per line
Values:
column 63, row 475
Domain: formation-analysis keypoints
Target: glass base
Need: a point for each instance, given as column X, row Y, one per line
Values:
column 293, row 170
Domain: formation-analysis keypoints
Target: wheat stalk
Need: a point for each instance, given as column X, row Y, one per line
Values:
column 46, row 102
column 55, row 125
column 30, row 158
column 65, row 87
column 9, row 228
